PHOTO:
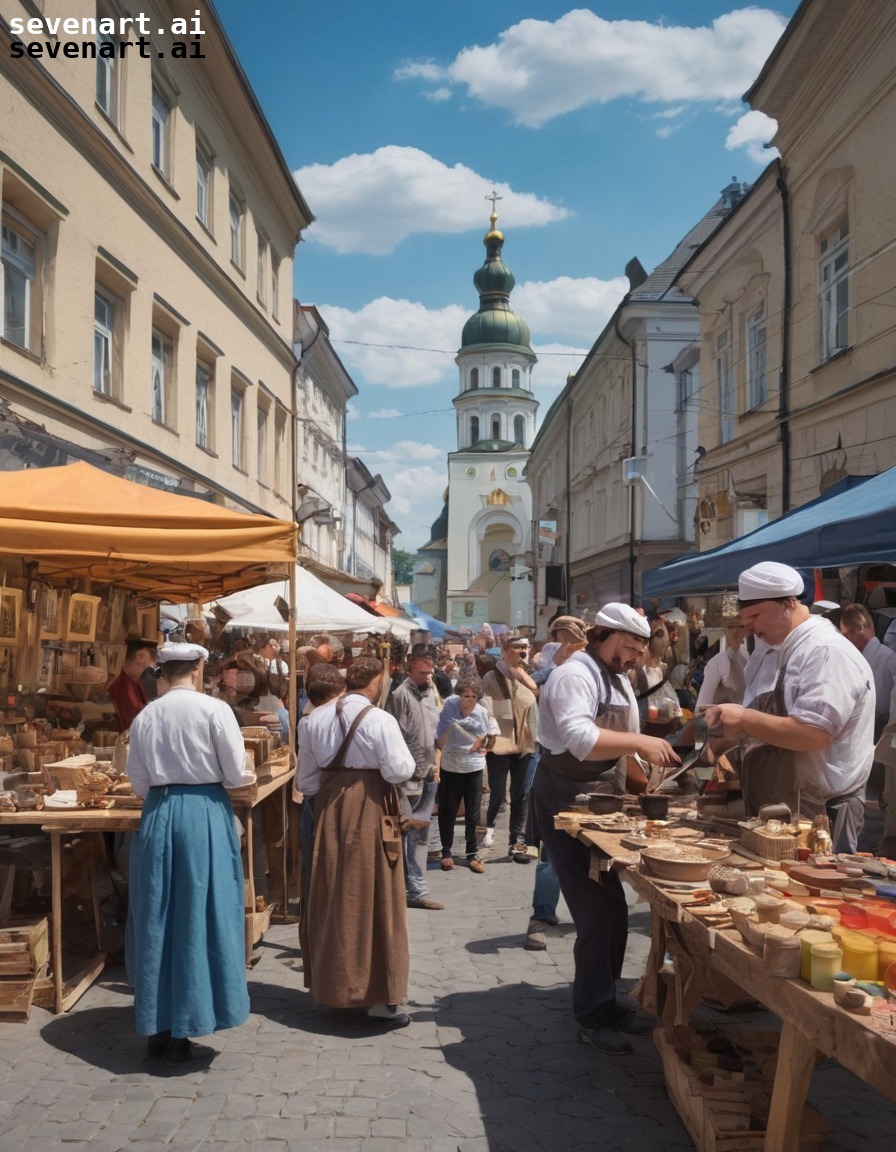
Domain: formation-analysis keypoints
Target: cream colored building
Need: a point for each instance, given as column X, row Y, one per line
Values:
column 149, row 228
column 611, row 468
column 797, row 290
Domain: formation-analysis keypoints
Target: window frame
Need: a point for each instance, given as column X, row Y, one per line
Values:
column 107, row 334
column 262, row 428
column 261, row 267
column 519, row 425
column 16, row 263
column 203, row 368
column 204, row 157
column 237, row 229
column 161, row 403
column 833, row 290
column 496, row 377
column 275, row 284
column 109, row 68
column 161, row 132
column 757, row 344
column 237, row 425
column 474, row 430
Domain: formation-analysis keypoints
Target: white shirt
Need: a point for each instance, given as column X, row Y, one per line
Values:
column 883, row 668
column 377, row 744
column 186, row 737
column 569, row 701
column 828, row 685
column 718, row 671
column 760, row 671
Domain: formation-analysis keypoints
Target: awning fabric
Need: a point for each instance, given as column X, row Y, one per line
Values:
column 78, row 521
column 320, row 609
column 853, row 523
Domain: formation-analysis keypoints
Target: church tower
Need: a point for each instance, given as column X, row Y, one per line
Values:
column 489, row 539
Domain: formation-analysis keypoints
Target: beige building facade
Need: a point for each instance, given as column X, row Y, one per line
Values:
column 149, row 229
column 797, row 290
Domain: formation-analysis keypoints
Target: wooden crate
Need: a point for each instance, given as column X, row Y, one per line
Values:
column 723, row 1116
column 24, row 947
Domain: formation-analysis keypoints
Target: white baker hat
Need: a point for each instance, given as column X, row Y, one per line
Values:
column 769, row 581
column 623, row 618
column 181, row 652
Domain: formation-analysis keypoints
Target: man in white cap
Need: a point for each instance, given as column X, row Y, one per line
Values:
column 588, row 720
column 821, row 708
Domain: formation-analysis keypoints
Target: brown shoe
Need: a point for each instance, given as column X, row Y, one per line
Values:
column 535, row 940
column 425, row 902
column 447, row 863
column 475, row 864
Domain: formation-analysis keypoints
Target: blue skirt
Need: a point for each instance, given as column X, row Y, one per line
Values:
column 186, row 925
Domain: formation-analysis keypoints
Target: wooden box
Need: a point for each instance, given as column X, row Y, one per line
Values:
column 24, row 947
column 725, row 1115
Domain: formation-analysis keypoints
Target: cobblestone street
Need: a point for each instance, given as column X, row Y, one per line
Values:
column 490, row 1063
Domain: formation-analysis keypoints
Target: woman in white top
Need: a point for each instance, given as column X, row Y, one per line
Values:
column 723, row 676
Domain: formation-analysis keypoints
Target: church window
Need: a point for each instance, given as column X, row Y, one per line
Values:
column 496, row 377
column 519, row 430
column 496, row 427
column 474, row 377
column 515, row 378
column 474, row 429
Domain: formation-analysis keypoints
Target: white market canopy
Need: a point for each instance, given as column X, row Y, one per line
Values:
column 319, row 609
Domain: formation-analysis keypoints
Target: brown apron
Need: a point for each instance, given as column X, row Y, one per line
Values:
column 767, row 774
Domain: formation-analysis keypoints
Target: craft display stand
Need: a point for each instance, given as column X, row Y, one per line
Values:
column 813, row 1027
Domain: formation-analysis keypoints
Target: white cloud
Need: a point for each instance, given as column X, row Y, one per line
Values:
column 753, row 131
column 402, row 451
column 667, row 130
column 417, row 494
column 359, row 210
column 439, row 94
column 383, row 342
column 352, row 411
column 540, row 69
column 384, row 414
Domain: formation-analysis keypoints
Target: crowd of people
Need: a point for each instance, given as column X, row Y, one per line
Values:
column 391, row 756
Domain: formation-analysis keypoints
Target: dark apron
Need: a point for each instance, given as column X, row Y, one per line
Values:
column 767, row 774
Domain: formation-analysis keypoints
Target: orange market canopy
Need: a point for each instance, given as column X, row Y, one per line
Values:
column 78, row 521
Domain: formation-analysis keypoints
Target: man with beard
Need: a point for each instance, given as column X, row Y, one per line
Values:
column 588, row 720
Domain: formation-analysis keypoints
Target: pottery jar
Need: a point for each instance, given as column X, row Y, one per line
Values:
column 827, row 961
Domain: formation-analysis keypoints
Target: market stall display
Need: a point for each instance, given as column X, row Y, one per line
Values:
column 85, row 561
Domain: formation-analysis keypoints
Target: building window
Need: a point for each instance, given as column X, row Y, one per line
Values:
column 19, row 255
column 261, row 277
column 108, row 76
column 204, row 406
column 756, row 358
column 725, row 375
column 237, row 426
column 237, row 221
column 204, row 170
column 103, row 335
column 474, row 429
column 515, row 378
column 685, row 388
column 161, row 121
column 496, row 377
column 474, row 378
column 279, row 450
column 496, row 427
column 834, row 292
column 162, row 367
column 275, row 286
column 519, row 430
column 261, row 458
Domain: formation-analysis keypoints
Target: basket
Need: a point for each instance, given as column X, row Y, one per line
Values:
column 681, row 869
column 779, row 847
column 83, row 681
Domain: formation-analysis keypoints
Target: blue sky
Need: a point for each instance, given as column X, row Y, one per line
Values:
column 608, row 131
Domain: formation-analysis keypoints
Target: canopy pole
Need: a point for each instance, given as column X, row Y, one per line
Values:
column 293, row 702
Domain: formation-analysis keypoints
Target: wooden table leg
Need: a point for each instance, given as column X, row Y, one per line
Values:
column 56, row 943
column 250, row 868
column 796, row 1061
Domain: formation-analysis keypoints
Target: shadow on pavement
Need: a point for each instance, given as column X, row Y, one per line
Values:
column 539, row 1088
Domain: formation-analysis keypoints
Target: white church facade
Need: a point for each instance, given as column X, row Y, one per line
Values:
column 478, row 566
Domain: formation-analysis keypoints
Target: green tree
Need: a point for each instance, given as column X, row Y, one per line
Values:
column 403, row 566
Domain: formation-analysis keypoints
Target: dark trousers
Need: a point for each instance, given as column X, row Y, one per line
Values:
column 519, row 769
column 598, row 909
column 455, row 787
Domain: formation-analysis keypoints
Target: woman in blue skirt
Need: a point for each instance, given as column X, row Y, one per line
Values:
column 186, row 930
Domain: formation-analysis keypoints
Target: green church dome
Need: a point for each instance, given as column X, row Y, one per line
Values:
column 495, row 322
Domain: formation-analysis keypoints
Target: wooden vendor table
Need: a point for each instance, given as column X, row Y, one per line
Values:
column 811, row 1023
column 59, row 822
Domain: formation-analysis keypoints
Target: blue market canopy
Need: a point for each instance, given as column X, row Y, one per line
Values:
column 437, row 628
column 853, row 523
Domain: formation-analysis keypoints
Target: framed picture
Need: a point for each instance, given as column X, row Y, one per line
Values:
column 10, row 615
column 82, row 614
column 52, row 609
column 148, row 622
